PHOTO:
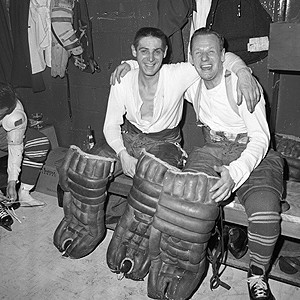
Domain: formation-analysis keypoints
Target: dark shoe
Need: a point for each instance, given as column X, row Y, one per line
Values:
column 289, row 264
column 258, row 285
column 237, row 241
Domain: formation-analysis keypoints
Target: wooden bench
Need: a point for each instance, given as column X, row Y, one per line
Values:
column 290, row 225
column 234, row 212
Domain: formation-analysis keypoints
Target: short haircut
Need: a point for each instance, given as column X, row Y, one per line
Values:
column 8, row 97
column 207, row 31
column 150, row 31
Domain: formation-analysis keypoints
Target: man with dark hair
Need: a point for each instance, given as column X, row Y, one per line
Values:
column 27, row 149
column 150, row 31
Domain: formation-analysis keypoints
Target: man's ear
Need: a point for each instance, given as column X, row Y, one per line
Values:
column 191, row 58
column 223, row 55
column 133, row 51
column 166, row 50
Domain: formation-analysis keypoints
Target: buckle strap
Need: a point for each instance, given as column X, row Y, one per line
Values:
column 218, row 256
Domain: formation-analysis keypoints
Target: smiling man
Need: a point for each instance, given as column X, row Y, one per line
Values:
column 152, row 110
column 237, row 151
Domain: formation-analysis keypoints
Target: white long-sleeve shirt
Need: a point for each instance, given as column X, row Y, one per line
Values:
column 215, row 111
column 124, row 99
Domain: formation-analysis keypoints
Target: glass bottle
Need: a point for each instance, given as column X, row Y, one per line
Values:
column 90, row 138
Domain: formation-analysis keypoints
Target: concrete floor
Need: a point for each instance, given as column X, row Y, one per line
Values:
column 32, row 268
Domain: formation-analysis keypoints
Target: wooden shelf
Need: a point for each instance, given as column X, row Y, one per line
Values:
column 234, row 212
column 290, row 226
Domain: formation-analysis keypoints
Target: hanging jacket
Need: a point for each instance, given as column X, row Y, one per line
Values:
column 21, row 73
column 172, row 17
column 6, row 48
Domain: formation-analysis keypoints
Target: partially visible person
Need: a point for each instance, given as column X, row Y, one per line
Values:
column 27, row 149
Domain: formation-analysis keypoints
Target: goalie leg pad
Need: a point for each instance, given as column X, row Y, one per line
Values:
column 128, row 251
column 61, row 228
column 84, row 178
column 181, row 228
column 63, row 169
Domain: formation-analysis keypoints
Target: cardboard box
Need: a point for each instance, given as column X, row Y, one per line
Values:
column 48, row 180
column 284, row 47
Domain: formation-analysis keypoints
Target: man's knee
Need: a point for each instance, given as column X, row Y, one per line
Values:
column 201, row 160
column 266, row 178
column 262, row 201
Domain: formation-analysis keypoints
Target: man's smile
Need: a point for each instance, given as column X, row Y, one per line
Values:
column 206, row 67
column 150, row 65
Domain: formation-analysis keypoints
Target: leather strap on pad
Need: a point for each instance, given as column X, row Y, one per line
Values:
column 182, row 225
